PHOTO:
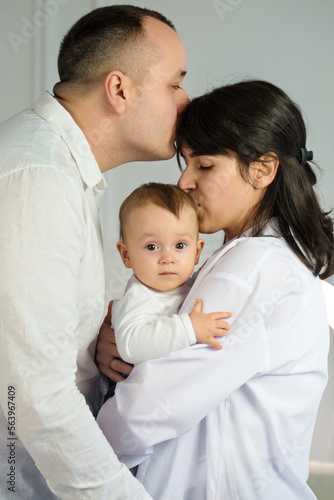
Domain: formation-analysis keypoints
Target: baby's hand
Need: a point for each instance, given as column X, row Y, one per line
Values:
column 209, row 326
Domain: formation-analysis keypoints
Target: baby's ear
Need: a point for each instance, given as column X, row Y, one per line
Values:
column 123, row 251
column 200, row 245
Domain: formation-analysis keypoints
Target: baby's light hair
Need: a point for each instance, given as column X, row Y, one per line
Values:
column 167, row 196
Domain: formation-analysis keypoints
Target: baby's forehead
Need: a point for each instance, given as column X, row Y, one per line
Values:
column 150, row 218
column 186, row 212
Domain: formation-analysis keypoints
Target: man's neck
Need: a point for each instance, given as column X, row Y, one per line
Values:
column 98, row 130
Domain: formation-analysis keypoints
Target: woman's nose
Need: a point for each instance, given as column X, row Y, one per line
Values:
column 186, row 182
column 183, row 100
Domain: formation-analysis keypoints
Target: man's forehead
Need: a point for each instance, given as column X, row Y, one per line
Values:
column 163, row 37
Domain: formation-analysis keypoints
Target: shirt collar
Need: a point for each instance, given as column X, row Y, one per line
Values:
column 270, row 229
column 48, row 108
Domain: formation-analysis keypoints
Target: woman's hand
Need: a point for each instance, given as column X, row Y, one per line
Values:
column 107, row 355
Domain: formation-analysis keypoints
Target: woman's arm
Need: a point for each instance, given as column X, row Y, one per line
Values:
column 183, row 387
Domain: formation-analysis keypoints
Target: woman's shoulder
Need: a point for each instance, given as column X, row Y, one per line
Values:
column 266, row 255
column 250, row 248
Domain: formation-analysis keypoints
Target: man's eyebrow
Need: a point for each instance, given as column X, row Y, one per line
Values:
column 180, row 74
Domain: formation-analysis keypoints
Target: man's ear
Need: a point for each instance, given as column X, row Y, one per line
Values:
column 123, row 251
column 116, row 90
column 200, row 245
column 264, row 170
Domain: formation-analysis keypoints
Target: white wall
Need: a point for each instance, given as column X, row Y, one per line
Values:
column 288, row 42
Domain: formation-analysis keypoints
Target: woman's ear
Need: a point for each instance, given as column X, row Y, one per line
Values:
column 123, row 251
column 264, row 170
column 116, row 90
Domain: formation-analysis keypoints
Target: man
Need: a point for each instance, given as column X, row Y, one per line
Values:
column 121, row 70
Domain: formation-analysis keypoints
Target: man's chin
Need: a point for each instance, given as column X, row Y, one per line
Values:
column 171, row 153
column 163, row 154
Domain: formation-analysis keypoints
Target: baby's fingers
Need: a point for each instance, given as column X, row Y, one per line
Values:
column 222, row 325
column 214, row 343
column 222, row 315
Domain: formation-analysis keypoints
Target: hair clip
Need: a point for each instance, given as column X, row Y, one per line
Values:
column 306, row 156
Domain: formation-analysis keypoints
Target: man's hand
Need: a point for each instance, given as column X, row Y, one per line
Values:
column 107, row 355
column 209, row 326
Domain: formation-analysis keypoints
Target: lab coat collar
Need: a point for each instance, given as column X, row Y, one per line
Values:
column 270, row 229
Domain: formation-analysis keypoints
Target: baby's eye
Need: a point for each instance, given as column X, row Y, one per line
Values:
column 181, row 245
column 151, row 246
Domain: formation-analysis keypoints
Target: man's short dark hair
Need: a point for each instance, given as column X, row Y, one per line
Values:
column 97, row 39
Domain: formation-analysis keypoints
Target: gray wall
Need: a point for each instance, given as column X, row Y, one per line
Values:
column 288, row 42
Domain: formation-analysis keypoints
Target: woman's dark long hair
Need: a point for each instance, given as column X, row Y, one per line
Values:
column 253, row 118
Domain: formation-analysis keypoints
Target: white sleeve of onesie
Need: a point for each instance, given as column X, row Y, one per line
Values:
column 142, row 330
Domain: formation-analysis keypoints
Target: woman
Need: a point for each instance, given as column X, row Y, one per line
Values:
column 237, row 423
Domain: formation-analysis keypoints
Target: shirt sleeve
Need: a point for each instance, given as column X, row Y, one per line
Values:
column 177, row 391
column 41, row 245
column 142, row 330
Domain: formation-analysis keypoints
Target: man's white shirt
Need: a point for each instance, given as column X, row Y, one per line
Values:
column 52, row 305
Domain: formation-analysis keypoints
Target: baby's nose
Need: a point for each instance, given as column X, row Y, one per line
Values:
column 166, row 257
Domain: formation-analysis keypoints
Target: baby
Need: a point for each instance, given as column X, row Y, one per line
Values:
column 159, row 241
